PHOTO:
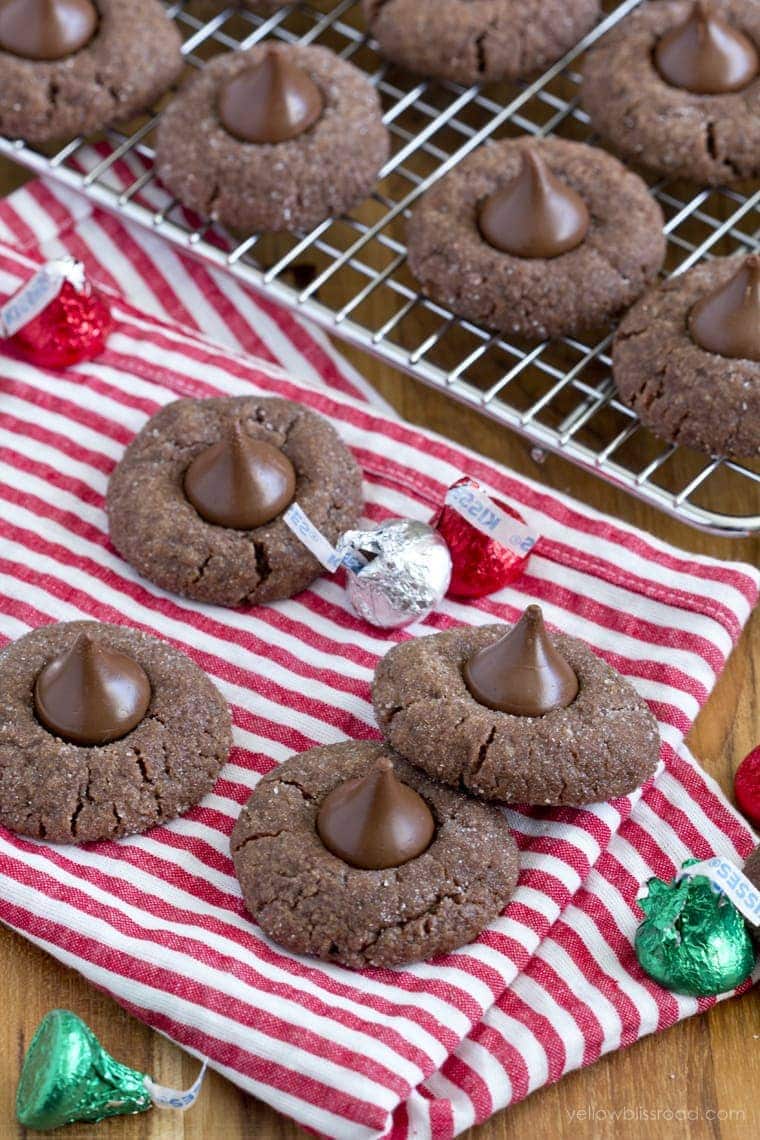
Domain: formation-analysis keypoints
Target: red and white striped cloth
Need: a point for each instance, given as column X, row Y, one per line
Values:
column 48, row 219
column 157, row 920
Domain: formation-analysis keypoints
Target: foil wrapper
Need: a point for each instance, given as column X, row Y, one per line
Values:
column 693, row 940
column 397, row 572
column 57, row 318
column 68, row 1076
column 747, row 786
column 484, row 559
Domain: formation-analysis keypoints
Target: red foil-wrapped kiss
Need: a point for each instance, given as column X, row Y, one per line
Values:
column 747, row 786
column 486, row 553
column 57, row 318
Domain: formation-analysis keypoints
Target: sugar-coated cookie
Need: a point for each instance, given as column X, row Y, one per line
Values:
column 104, row 732
column 97, row 65
column 710, row 136
column 597, row 739
column 457, row 876
column 196, row 503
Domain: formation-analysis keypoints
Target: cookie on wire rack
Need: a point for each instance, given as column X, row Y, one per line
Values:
column 536, row 238
column 478, row 42
column 686, row 358
column 90, row 67
column 276, row 138
column 680, row 109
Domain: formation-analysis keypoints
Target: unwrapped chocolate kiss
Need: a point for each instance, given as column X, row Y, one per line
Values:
column 706, row 55
column 727, row 321
column 91, row 694
column 270, row 102
column 240, row 482
column 375, row 822
column 46, row 30
column 522, row 673
column 536, row 214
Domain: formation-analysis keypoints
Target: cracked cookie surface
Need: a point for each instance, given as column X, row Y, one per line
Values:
column 116, row 75
column 708, row 138
column 537, row 297
column 603, row 745
column 682, row 392
column 282, row 186
column 154, row 526
column 65, row 793
column 478, row 41
column 310, row 901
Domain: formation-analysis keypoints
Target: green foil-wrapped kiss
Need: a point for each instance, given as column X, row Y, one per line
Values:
column 68, row 1076
column 694, row 940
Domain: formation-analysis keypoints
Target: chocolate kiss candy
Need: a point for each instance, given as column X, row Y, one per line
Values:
column 240, row 482
column 747, row 790
column 693, row 941
column 375, row 821
column 534, row 215
column 68, row 1076
column 727, row 321
column 522, row 673
column 91, row 694
column 46, row 29
column 706, row 55
column 270, row 102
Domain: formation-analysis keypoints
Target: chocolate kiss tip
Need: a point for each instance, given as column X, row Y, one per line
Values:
column 522, row 673
column 536, row 214
column 706, row 55
column 91, row 694
column 726, row 321
column 375, row 822
column 46, row 30
column 270, row 102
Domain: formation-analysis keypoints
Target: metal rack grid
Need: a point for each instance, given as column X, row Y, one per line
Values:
column 350, row 274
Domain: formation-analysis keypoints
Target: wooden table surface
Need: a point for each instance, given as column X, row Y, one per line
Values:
column 704, row 1071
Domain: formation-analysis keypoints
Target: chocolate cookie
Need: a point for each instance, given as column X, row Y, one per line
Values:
column 315, row 902
column 478, row 42
column 684, row 392
column 543, row 291
column 104, row 732
column 276, row 138
column 597, row 741
column 99, row 63
column 709, row 133
column 161, row 497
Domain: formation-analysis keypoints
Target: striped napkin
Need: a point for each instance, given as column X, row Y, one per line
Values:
column 158, row 920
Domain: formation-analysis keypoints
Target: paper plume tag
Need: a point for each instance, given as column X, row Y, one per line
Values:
column 163, row 1097
column 31, row 300
column 296, row 519
column 487, row 517
column 726, row 877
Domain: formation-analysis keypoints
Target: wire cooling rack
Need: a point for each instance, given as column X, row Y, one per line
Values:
column 350, row 274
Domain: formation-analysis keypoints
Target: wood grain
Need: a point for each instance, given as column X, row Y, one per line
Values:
column 703, row 1071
